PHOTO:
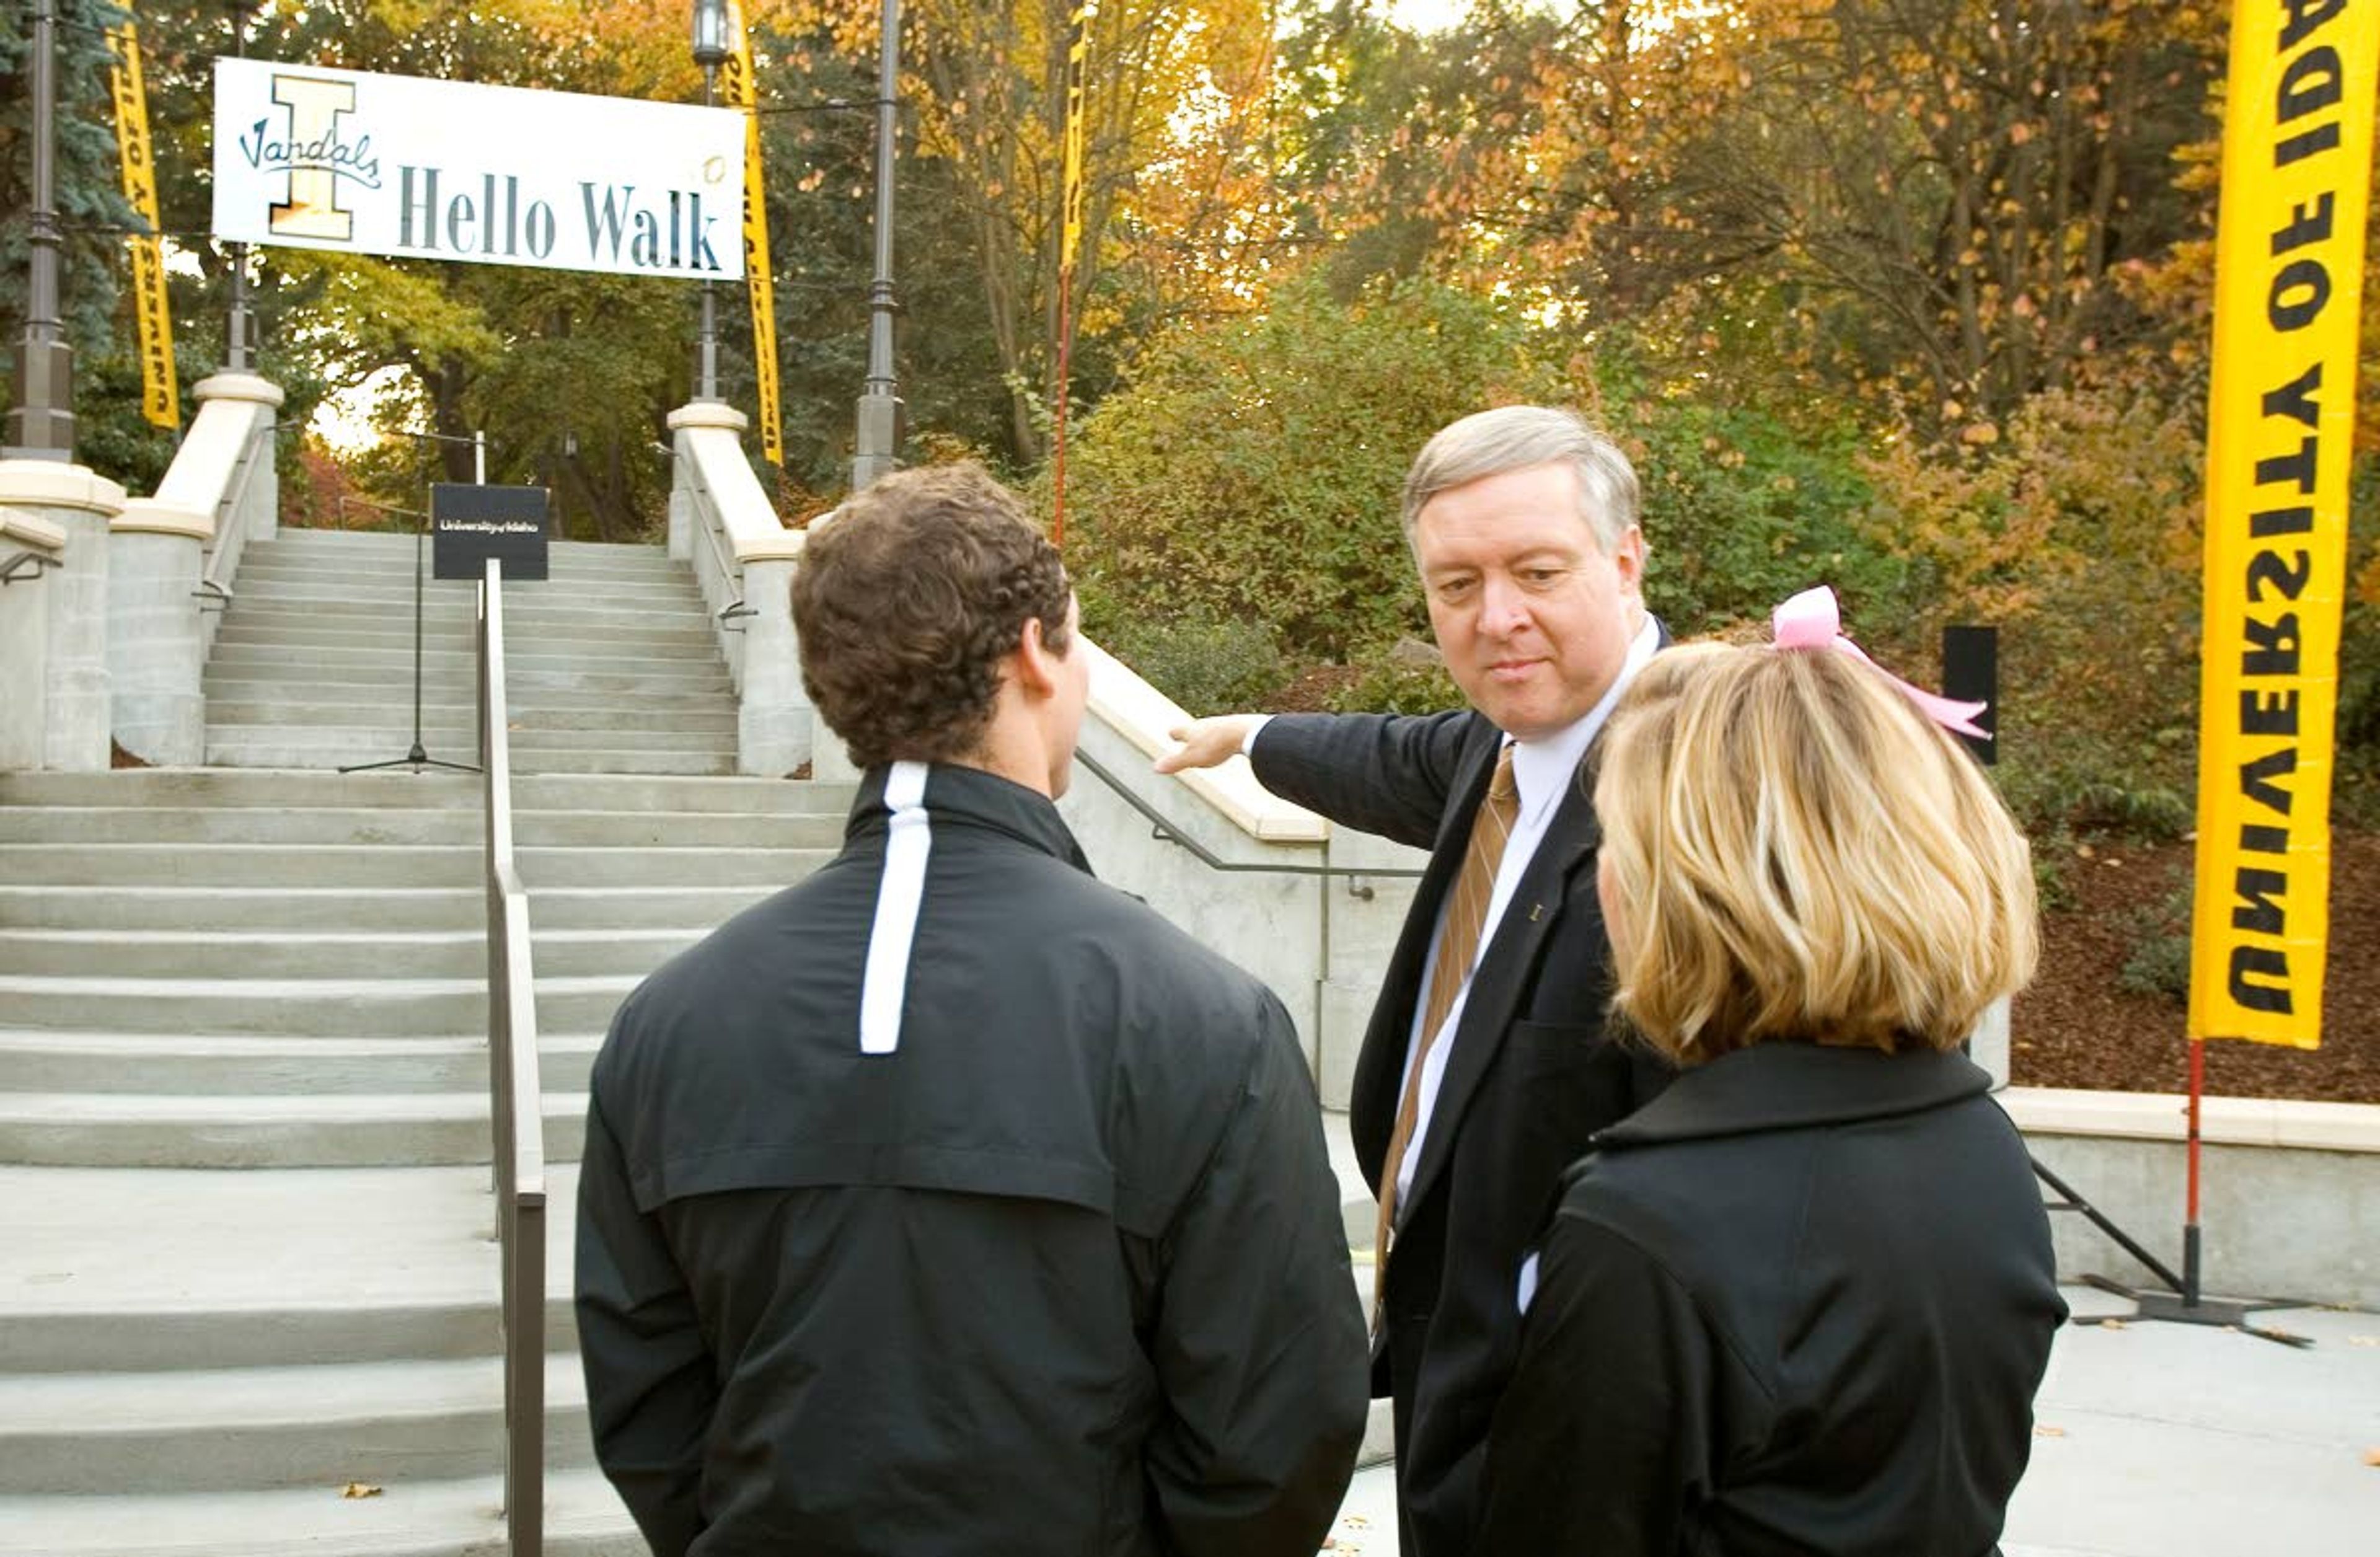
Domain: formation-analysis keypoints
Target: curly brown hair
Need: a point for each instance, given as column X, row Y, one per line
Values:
column 907, row 601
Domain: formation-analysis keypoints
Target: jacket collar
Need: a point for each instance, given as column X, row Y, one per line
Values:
column 970, row 796
column 1785, row 1086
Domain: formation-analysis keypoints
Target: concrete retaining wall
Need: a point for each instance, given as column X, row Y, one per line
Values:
column 2289, row 1191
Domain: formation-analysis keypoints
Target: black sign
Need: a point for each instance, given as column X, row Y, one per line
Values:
column 1970, row 672
column 470, row 524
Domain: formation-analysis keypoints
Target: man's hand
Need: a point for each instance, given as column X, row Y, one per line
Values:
column 1207, row 742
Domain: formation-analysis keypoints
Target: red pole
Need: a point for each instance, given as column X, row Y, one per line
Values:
column 2189, row 1223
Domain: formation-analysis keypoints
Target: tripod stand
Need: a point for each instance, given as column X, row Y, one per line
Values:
column 416, row 757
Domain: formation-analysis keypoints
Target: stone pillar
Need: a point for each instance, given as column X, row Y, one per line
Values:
column 686, row 519
column 681, row 519
column 1988, row 1044
column 260, row 515
column 156, row 643
column 773, row 730
column 25, row 637
column 830, row 759
column 75, row 715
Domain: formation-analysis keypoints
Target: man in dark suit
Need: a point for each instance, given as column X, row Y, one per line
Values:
column 1486, row 1067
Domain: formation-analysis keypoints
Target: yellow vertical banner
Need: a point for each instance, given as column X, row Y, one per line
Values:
column 2297, row 162
column 1079, row 46
column 160, row 397
column 742, row 91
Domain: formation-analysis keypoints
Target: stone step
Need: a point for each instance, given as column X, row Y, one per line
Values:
column 416, row 826
column 366, row 544
column 395, row 909
column 233, row 652
column 593, row 638
column 217, row 788
column 274, row 578
column 40, row 1060
column 321, row 1426
column 411, row 1518
column 347, row 954
column 524, row 622
column 301, row 1266
column 265, row 1130
column 199, row 909
column 355, row 868
column 449, row 734
column 457, row 605
column 358, row 1007
column 153, row 787
column 708, row 715
column 241, row 824
column 364, row 866
column 274, row 565
column 294, row 749
column 555, row 688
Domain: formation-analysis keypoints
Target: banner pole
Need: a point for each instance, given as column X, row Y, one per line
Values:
column 2190, row 1222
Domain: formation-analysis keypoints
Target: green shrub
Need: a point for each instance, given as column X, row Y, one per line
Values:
column 1252, row 467
column 1207, row 666
column 2159, row 961
column 1388, row 685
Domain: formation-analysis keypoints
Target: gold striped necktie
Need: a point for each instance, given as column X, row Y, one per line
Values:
column 1449, row 969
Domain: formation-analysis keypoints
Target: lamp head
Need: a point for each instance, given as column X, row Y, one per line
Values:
column 709, row 33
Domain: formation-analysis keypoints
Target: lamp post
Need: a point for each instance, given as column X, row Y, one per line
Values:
column 710, row 52
column 877, row 447
column 241, row 325
column 40, row 426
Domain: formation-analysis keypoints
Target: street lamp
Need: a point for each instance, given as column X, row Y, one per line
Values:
column 240, row 326
column 878, row 447
column 710, row 52
column 40, row 426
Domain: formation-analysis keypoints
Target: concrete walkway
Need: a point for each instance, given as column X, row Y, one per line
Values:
column 2159, row 1441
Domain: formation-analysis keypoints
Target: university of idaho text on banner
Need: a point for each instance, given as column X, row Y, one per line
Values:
column 160, row 395
column 2297, row 169
column 316, row 158
column 742, row 93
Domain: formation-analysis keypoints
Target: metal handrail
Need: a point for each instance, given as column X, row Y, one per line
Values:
column 210, row 587
column 705, row 507
column 1168, row 831
column 515, row 1106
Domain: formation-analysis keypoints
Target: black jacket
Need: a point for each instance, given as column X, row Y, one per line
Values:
column 1529, row 1081
column 1799, row 1304
column 1063, row 1274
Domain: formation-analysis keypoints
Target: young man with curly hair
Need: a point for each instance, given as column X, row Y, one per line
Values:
column 951, row 1201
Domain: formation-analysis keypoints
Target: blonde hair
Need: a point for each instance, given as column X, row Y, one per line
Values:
column 1798, row 853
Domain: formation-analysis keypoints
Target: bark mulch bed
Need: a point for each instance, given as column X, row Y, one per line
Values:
column 2078, row 1026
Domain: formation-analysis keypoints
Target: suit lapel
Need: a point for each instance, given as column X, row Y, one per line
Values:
column 1374, row 1093
column 1539, row 899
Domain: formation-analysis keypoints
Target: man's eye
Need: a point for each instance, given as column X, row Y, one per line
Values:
column 1540, row 576
column 1452, row 589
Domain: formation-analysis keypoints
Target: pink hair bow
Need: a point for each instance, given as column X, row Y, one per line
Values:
column 1813, row 620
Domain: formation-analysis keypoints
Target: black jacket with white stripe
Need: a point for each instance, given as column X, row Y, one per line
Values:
column 1063, row 1272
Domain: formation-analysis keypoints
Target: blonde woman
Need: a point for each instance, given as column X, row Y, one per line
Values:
column 1801, row 1302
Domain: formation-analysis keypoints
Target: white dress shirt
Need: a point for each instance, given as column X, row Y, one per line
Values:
column 1542, row 771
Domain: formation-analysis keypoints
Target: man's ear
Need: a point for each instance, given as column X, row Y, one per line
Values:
column 1629, row 557
column 1037, row 667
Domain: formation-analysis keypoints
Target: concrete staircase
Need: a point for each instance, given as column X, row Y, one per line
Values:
column 244, row 1204
column 613, row 664
column 248, row 1295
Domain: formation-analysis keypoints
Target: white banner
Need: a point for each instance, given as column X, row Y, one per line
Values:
column 444, row 170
